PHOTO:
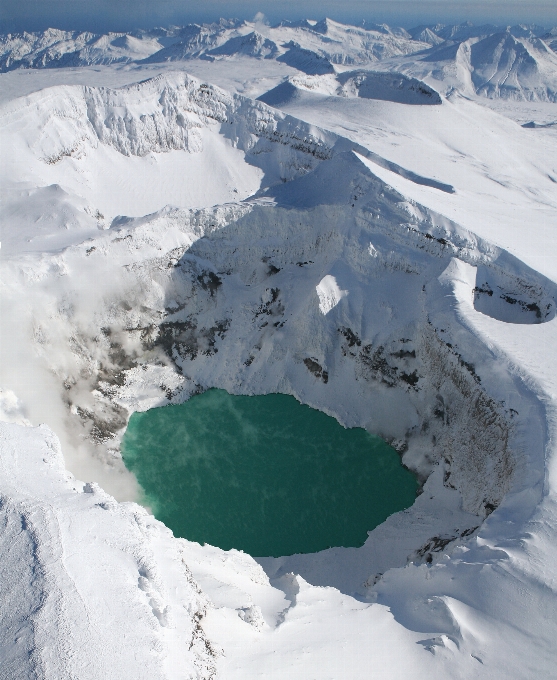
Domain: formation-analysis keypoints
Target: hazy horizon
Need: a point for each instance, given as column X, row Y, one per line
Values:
column 125, row 15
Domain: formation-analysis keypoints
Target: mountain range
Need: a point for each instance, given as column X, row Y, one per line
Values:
column 513, row 62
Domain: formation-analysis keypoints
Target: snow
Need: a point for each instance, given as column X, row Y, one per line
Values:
column 55, row 48
column 449, row 143
column 327, row 40
column 366, row 84
column 86, row 568
column 162, row 236
column 329, row 293
column 496, row 65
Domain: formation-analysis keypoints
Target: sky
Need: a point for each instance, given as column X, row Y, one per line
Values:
column 120, row 15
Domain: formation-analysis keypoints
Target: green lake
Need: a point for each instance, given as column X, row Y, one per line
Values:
column 263, row 474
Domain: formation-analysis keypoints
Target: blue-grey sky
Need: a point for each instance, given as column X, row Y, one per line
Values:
column 119, row 15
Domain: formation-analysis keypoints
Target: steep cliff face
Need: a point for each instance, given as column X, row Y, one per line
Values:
column 133, row 150
column 302, row 272
column 330, row 287
column 159, row 115
column 164, row 114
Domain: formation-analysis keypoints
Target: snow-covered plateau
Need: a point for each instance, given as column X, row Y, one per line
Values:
column 364, row 218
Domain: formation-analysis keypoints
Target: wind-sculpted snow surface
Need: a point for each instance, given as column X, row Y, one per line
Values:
column 497, row 66
column 71, row 544
column 79, row 137
column 303, row 272
column 59, row 49
column 393, row 87
column 327, row 39
column 513, row 68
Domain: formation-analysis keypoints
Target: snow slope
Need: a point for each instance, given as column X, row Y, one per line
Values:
column 327, row 39
column 439, row 343
column 490, row 61
column 476, row 151
column 92, row 588
column 366, row 84
column 54, row 49
column 499, row 65
column 132, row 151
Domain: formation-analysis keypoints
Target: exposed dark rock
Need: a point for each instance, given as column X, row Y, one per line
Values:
column 434, row 545
column 314, row 367
column 187, row 340
column 209, row 281
column 351, row 338
column 272, row 307
column 376, row 365
column 410, row 378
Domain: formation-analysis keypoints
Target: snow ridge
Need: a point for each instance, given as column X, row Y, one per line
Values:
column 50, row 612
column 285, row 261
column 366, row 84
column 504, row 62
column 498, row 66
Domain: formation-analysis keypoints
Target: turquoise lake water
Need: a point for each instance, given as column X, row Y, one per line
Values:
column 263, row 474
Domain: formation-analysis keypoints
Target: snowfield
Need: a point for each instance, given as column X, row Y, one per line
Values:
column 375, row 235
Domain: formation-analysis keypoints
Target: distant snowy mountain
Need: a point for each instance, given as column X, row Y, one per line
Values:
column 527, row 31
column 251, row 45
column 384, row 86
column 55, row 49
column 426, row 35
column 389, row 30
column 327, row 39
column 352, row 45
column 191, row 42
column 469, row 30
column 514, row 68
column 515, row 62
column 465, row 31
column 497, row 66
column 423, row 28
